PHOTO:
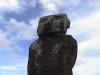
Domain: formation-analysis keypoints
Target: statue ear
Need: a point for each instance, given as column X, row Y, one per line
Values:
column 68, row 23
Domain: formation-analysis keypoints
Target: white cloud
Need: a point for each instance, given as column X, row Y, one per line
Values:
column 74, row 2
column 16, row 5
column 16, row 31
column 21, row 29
column 70, row 3
column 14, row 55
column 95, row 4
column 55, row 6
column 1, row 20
column 90, row 44
column 10, row 5
column 32, row 2
column 90, row 66
column 7, row 44
column 50, row 6
column 20, row 64
column 4, row 42
column 87, row 29
column 88, row 24
column 15, row 67
column 9, row 67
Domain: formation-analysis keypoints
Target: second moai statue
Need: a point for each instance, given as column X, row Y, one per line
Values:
column 54, row 52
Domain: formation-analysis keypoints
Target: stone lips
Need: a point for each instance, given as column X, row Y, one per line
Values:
column 53, row 24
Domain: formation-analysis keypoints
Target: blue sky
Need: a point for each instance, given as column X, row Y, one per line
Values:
column 18, row 25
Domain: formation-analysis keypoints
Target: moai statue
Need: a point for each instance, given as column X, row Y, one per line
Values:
column 54, row 52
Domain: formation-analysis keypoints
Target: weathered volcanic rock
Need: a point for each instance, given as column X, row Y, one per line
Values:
column 54, row 52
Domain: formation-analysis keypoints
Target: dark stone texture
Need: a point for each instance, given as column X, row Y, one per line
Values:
column 53, row 24
column 54, row 53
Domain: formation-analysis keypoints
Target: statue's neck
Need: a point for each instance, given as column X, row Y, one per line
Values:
column 51, row 35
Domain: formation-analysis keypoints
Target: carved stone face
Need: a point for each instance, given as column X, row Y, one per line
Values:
column 53, row 24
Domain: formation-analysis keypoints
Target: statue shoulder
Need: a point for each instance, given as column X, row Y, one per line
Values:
column 70, row 40
column 70, row 37
column 34, row 44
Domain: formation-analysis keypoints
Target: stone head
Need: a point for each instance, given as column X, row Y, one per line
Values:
column 53, row 24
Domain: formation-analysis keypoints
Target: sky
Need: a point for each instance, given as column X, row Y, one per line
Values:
column 18, row 26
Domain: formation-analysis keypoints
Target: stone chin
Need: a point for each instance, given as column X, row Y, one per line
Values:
column 53, row 24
